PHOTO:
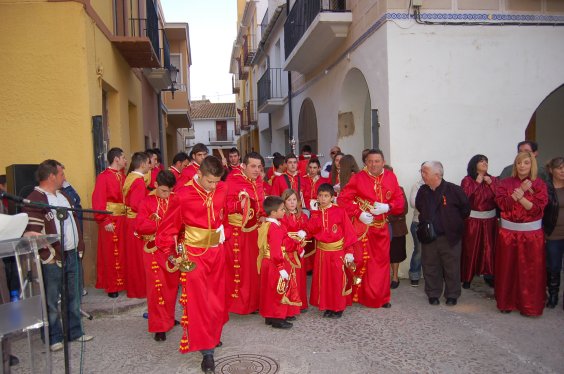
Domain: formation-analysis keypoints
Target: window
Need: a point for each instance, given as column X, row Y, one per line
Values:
column 176, row 61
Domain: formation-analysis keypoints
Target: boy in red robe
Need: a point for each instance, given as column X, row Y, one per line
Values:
column 278, row 289
column 197, row 154
column 196, row 214
column 162, row 285
column 335, row 236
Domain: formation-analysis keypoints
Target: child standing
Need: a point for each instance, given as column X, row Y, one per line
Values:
column 277, row 289
column 335, row 236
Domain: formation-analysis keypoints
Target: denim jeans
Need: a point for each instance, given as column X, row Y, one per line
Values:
column 554, row 254
column 53, row 281
column 415, row 263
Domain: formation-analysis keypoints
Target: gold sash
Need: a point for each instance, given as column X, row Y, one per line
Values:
column 200, row 238
column 236, row 219
column 130, row 212
column 331, row 247
column 118, row 209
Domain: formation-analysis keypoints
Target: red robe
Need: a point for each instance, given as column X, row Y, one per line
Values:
column 329, row 283
column 279, row 185
column 162, row 285
column 110, row 264
column 134, row 191
column 478, row 242
column 275, row 304
column 175, row 171
column 186, row 176
column 203, row 289
column 310, row 194
column 243, row 281
column 294, row 223
column 520, row 267
column 373, row 267
column 154, row 172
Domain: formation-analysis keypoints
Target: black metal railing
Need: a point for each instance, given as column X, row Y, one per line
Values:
column 249, row 48
column 264, row 24
column 165, row 58
column 235, row 83
column 302, row 15
column 271, row 85
column 148, row 27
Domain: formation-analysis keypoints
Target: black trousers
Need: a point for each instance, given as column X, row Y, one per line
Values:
column 441, row 266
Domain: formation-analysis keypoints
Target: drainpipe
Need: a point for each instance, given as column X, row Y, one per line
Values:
column 291, row 130
column 162, row 142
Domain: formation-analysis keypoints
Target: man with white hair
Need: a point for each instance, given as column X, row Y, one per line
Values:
column 442, row 207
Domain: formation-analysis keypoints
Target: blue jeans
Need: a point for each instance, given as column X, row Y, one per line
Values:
column 554, row 254
column 53, row 281
column 415, row 263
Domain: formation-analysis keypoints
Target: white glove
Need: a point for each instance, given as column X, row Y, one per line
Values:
column 337, row 187
column 221, row 232
column 366, row 218
column 313, row 205
column 302, row 254
column 380, row 208
column 109, row 227
column 349, row 258
column 284, row 274
column 302, row 234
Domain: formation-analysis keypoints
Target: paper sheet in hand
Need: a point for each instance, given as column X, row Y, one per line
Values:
column 12, row 227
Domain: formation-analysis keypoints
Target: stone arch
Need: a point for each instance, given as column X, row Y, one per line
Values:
column 307, row 126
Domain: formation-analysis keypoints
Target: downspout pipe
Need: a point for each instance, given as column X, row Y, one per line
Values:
column 291, row 121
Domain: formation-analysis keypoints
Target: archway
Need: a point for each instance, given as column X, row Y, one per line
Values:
column 546, row 125
column 357, row 124
column 307, row 126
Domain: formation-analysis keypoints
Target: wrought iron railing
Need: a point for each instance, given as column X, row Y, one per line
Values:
column 302, row 15
column 264, row 24
column 271, row 85
column 148, row 27
column 235, row 83
column 214, row 137
column 165, row 58
column 249, row 48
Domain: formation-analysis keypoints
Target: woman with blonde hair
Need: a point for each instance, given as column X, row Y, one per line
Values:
column 520, row 277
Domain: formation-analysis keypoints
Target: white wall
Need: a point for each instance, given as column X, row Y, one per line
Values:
column 203, row 126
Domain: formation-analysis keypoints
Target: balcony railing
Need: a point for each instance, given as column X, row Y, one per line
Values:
column 235, row 83
column 214, row 137
column 272, row 85
column 264, row 24
column 165, row 54
column 243, row 71
column 250, row 115
column 249, row 48
column 302, row 15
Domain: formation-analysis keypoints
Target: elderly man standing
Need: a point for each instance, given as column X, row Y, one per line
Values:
column 442, row 206
column 369, row 197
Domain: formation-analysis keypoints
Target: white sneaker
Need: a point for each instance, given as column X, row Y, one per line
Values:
column 84, row 292
column 84, row 338
column 56, row 347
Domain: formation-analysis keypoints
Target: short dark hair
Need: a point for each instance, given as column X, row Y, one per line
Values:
column 326, row 187
column 46, row 168
column 166, row 178
column 276, row 154
column 472, row 168
column 234, row 150
column 306, row 148
column 212, row 166
column 159, row 154
column 114, row 153
column 137, row 159
column 374, row 152
column 199, row 147
column 278, row 161
column 150, row 152
column 290, row 156
column 314, row 161
column 179, row 157
column 533, row 144
column 254, row 155
column 272, row 203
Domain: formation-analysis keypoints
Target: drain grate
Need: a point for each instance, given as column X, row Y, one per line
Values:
column 246, row 364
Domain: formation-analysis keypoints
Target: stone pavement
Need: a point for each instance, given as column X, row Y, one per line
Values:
column 411, row 337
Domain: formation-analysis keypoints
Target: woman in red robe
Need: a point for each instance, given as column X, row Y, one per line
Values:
column 480, row 228
column 520, row 277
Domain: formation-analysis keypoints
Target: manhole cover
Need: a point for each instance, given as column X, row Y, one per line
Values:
column 246, row 364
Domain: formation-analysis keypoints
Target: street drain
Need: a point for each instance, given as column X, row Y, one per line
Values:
column 246, row 364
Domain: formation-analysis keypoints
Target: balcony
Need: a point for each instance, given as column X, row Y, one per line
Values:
column 248, row 116
column 221, row 139
column 272, row 90
column 313, row 30
column 249, row 49
column 235, row 84
column 138, row 39
column 159, row 78
column 243, row 70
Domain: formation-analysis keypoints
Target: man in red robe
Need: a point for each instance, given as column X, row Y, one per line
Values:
column 162, row 285
column 370, row 196
column 244, row 207
column 305, row 157
column 108, row 195
column 197, row 154
column 233, row 163
column 289, row 179
column 134, row 191
column 179, row 162
column 196, row 214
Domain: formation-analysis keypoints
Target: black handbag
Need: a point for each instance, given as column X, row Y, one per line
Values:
column 426, row 232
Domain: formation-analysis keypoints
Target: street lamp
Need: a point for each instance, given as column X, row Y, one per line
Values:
column 173, row 71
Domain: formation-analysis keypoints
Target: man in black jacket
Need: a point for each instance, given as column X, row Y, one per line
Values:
column 445, row 206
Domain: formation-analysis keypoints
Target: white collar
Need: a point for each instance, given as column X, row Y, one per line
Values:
column 46, row 192
column 273, row 220
column 139, row 173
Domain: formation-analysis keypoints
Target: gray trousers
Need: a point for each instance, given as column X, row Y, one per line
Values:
column 441, row 266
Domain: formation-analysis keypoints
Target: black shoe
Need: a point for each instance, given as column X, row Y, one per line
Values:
column 268, row 321
column 219, row 344
column 255, row 312
column 208, row 365
column 336, row 315
column 281, row 324
column 451, row 301
column 387, row 305
column 489, row 282
column 328, row 314
column 552, row 301
column 434, row 301
column 414, row 283
column 505, row 311
column 160, row 336
column 14, row 360
column 466, row 285
column 394, row 285
column 291, row 318
column 113, row 295
column 176, row 322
